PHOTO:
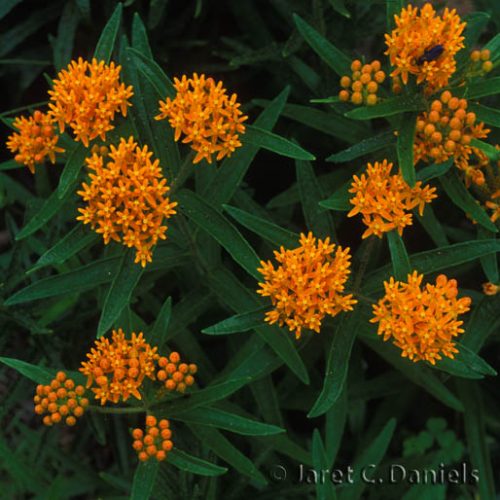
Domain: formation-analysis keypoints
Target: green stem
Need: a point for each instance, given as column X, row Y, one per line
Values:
column 184, row 172
column 102, row 409
column 363, row 264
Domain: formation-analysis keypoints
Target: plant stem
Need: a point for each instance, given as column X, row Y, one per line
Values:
column 184, row 172
column 101, row 409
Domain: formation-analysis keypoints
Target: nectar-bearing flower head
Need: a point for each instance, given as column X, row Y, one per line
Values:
column 210, row 121
column 424, row 44
column 307, row 284
column 446, row 131
column 86, row 96
column 385, row 200
column 34, row 140
column 175, row 375
column 116, row 369
column 155, row 441
column 421, row 320
column 61, row 400
column 362, row 85
column 126, row 199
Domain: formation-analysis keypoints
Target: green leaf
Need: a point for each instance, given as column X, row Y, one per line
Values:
column 435, row 260
column 483, row 322
column 38, row 374
column 212, row 222
column 324, row 489
column 388, row 107
column 77, row 239
column 263, row 139
column 363, row 148
column 489, row 263
column 483, row 88
column 66, row 29
column 194, row 465
column 51, row 206
column 213, row 417
column 494, row 47
column 485, row 114
column 392, row 8
column 238, row 323
column 432, row 226
column 267, row 230
column 158, row 334
column 80, row 279
column 370, row 457
column 203, row 397
column 317, row 220
column 120, row 292
column 337, row 365
column 399, row 256
column 144, row 480
column 466, row 364
column 475, row 433
column 339, row 200
column 488, row 149
column 232, row 170
column 224, row 449
column 140, row 37
column 106, row 42
column 404, row 147
column 69, row 176
column 435, row 170
column 460, row 196
column 335, row 58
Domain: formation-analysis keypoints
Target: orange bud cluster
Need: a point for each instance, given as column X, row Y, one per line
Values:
column 447, row 131
column 480, row 61
column 61, row 400
column 362, row 86
column 86, row 96
column 210, row 120
column 175, row 375
column 127, row 198
column 118, row 367
column 155, row 442
column 421, row 320
column 385, row 200
column 307, row 285
column 35, row 140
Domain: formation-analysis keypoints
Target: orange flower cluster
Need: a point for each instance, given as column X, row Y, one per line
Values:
column 493, row 204
column 362, row 86
column 202, row 111
column 424, row 44
column 480, row 60
column 447, row 130
column 61, row 399
column 155, row 442
column 118, row 368
column 35, row 140
column 176, row 375
column 385, row 200
column 86, row 96
column 307, row 285
column 126, row 198
column 421, row 320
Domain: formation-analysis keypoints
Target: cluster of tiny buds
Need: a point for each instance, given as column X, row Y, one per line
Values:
column 481, row 58
column 362, row 86
column 176, row 375
column 61, row 399
column 154, row 441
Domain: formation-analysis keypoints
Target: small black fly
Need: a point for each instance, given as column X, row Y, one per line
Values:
column 430, row 54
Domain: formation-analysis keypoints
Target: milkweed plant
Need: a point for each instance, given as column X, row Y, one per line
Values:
column 157, row 309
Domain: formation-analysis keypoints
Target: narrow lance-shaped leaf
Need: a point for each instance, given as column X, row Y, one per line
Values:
column 483, row 88
column 399, row 256
column 272, row 142
column 106, row 42
column 388, row 107
column 120, row 292
column 238, row 323
column 406, row 137
column 158, row 334
column 144, row 480
column 324, row 489
column 365, row 147
column 195, row 465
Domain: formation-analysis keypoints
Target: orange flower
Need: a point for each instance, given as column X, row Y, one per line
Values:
column 175, row 375
column 494, row 205
column 421, row 320
column 490, row 288
column 362, row 85
column 86, row 96
column 126, row 199
column 384, row 199
column 118, row 368
column 35, row 141
column 447, row 131
column 307, row 285
column 202, row 111
column 424, row 44
column 155, row 442
column 61, row 400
